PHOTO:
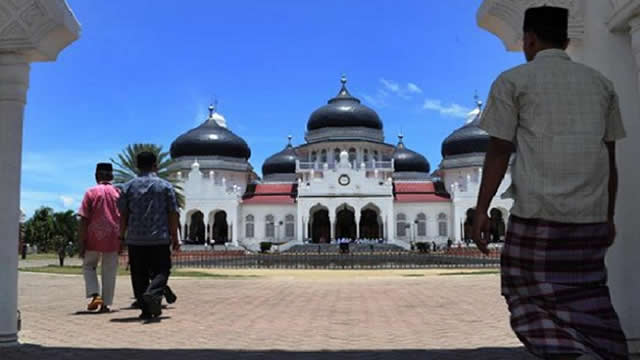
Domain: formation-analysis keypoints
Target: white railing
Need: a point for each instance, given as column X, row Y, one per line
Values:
column 318, row 166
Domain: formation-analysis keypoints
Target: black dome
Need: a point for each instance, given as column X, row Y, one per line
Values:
column 210, row 139
column 466, row 140
column 405, row 160
column 342, row 111
column 283, row 162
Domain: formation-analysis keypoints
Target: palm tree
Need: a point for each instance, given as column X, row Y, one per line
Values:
column 126, row 168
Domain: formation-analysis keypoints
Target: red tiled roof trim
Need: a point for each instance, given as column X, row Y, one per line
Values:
column 421, row 198
column 269, row 199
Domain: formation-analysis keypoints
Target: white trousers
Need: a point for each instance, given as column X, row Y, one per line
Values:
column 109, row 272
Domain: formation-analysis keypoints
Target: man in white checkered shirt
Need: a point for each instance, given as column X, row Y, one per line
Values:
column 562, row 119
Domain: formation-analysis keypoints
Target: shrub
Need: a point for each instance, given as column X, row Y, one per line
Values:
column 265, row 246
column 423, row 247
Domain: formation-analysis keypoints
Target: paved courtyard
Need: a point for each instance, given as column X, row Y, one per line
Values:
column 276, row 315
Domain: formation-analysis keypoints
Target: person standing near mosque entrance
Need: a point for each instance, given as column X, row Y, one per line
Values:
column 562, row 119
column 98, row 238
column 149, row 226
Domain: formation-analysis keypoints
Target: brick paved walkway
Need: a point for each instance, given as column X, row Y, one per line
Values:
column 275, row 317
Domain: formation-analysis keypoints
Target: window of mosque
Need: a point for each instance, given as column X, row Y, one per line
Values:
column 422, row 224
column 314, row 156
column 323, row 156
column 375, row 155
column 352, row 155
column 249, row 226
column 365, row 155
column 442, row 225
column 289, row 226
column 336, row 155
column 269, row 230
column 401, row 225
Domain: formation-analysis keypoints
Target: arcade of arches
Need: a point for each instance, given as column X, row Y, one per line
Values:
column 497, row 226
column 197, row 232
column 345, row 224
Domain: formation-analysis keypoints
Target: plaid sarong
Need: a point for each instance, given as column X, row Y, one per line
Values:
column 555, row 283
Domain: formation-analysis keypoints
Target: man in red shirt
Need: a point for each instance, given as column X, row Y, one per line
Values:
column 99, row 238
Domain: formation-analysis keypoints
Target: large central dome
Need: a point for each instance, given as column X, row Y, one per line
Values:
column 344, row 110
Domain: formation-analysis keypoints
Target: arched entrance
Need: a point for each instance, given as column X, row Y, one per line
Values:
column 370, row 223
column 468, row 224
column 220, row 229
column 196, row 228
column 496, row 225
column 320, row 226
column 345, row 223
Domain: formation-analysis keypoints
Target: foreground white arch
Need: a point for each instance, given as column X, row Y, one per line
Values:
column 29, row 31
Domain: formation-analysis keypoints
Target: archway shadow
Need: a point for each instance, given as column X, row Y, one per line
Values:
column 28, row 352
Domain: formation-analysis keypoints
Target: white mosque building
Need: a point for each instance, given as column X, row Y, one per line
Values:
column 344, row 182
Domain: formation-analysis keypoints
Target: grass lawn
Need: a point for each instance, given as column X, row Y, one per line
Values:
column 40, row 256
column 480, row 272
column 283, row 273
column 77, row 270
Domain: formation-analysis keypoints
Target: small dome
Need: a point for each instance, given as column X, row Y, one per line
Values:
column 283, row 162
column 344, row 110
column 210, row 139
column 467, row 139
column 405, row 160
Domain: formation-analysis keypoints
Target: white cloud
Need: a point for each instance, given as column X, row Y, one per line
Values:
column 390, row 85
column 67, row 201
column 394, row 87
column 58, row 178
column 413, row 88
column 378, row 100
column 388, row 88
column 451, row 110
column 30, row 200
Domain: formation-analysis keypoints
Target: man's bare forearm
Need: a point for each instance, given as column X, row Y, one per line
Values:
column 82, row 231
column 495, row 167
column 124, row 223
column 173, row 225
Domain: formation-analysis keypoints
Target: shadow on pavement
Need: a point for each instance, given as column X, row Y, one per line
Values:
column 135, row 319
column 94, row 312
column 28, row 352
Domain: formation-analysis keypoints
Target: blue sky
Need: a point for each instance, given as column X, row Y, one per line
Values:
column 147, row 71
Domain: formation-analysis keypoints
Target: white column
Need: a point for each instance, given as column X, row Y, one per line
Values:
column 357, row 218
column 234, row 231
column 14, row 81
column 332, row 229
column 39, row 38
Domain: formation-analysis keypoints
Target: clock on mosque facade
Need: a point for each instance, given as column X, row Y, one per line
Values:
column 344, row 180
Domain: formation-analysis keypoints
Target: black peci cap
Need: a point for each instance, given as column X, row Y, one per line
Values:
column 548, row 22
column 104, row 167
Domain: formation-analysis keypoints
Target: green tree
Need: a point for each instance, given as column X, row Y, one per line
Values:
column 126, row 169
column 39, row 229
column 65, row 234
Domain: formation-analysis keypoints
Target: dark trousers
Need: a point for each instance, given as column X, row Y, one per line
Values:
column 150, row 268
